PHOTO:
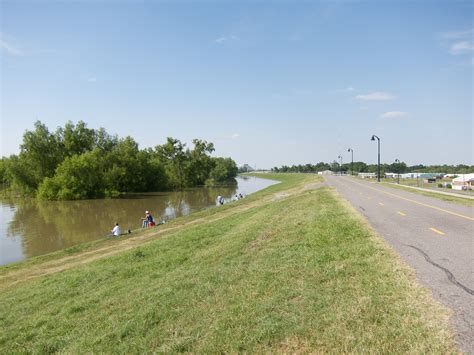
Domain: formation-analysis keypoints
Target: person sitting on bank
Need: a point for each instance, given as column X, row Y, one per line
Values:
column 116, row 231
column 148, row 221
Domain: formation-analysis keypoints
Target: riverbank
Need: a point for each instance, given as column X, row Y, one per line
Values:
column 288, row 269
column 30, row 228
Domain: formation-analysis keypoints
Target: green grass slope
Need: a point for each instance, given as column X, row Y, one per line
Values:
column 297, row 273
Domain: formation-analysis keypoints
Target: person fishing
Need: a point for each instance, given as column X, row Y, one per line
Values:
column 116, row 231
column 220, row 200
column 148, row 220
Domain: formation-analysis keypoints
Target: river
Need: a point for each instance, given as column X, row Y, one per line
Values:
column 29, row 227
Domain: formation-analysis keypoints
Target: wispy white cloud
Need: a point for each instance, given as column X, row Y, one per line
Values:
column 461, row 47
column 394, row 114
column 457, row 34
column 350, row 88
column 458, row 42
column 226, row 39
column 375, row 96
column 91, row 79
column 233, row 136
column 7, row 45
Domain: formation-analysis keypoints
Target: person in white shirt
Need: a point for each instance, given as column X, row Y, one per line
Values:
column 116, row 231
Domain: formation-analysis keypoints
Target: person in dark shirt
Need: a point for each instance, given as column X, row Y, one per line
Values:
column 148, row 221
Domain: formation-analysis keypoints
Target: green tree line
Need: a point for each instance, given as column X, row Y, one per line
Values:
column 361, row 167
column 77, row 162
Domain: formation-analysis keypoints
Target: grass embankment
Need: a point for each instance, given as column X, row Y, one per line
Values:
column 448, row 198
column 289, row 269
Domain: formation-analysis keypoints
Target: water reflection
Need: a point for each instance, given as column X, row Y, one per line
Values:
column 29, row 227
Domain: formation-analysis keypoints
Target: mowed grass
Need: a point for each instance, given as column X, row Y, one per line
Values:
column 449, row 198
column 300, row 273
column 286, row 181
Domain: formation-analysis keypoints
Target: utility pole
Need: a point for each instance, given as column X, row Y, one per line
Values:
column 378, row 157
column 398, row 171
column 352, row 160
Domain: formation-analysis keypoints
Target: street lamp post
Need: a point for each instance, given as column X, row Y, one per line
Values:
column 398, row 171
column 378, row 160
column 340, row 166
column 352, row 160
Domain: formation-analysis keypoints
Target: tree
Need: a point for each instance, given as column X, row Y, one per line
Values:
column 199, row 163
column 246, row 168
column 76, row 139
column 40, row 154
column 224, row 170
column 78, row 177
column 173, row 156
column 398, row 168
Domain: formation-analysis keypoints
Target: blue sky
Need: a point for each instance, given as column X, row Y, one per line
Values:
column 269, row 82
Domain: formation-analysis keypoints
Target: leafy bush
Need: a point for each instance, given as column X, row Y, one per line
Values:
column 224, row 169
column 76, row 162
column 78, row 177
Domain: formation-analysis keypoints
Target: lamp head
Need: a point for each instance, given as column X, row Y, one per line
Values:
column 373, row 138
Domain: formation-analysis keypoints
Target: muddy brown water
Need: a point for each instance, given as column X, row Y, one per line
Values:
column 29, row 228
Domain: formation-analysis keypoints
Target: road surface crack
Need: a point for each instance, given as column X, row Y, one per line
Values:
column 448, row 273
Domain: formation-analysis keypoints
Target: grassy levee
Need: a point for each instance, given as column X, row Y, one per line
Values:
column 286, row 181
column 289, row 269
column 459, row 200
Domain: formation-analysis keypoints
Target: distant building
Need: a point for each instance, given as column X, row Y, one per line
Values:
column 463, row 182
column 422, row 176
column 367, row 175
column 410, row 176
column 325, row 172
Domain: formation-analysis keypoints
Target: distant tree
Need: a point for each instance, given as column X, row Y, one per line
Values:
column 173, row 156
column 398, row 168
column 76, row 139
column 78, row 177
column 3, row 172
column 199, row 163
column 246, row 168
column 40, row 154
column 224, row 170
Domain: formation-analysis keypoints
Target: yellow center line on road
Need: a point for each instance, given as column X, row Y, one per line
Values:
column 437, row 231
column 401, row 213
column 418, row 203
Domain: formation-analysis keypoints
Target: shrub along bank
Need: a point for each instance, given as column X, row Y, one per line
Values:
column 76, row 162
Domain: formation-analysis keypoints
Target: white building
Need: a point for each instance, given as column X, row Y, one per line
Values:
column 367, row 175
column 325, row 172
column 410, row 175
column 463, row 182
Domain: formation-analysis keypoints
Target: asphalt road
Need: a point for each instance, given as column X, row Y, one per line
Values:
column 434, row 237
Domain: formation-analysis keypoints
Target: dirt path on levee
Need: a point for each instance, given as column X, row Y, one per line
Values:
column 16, row 276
